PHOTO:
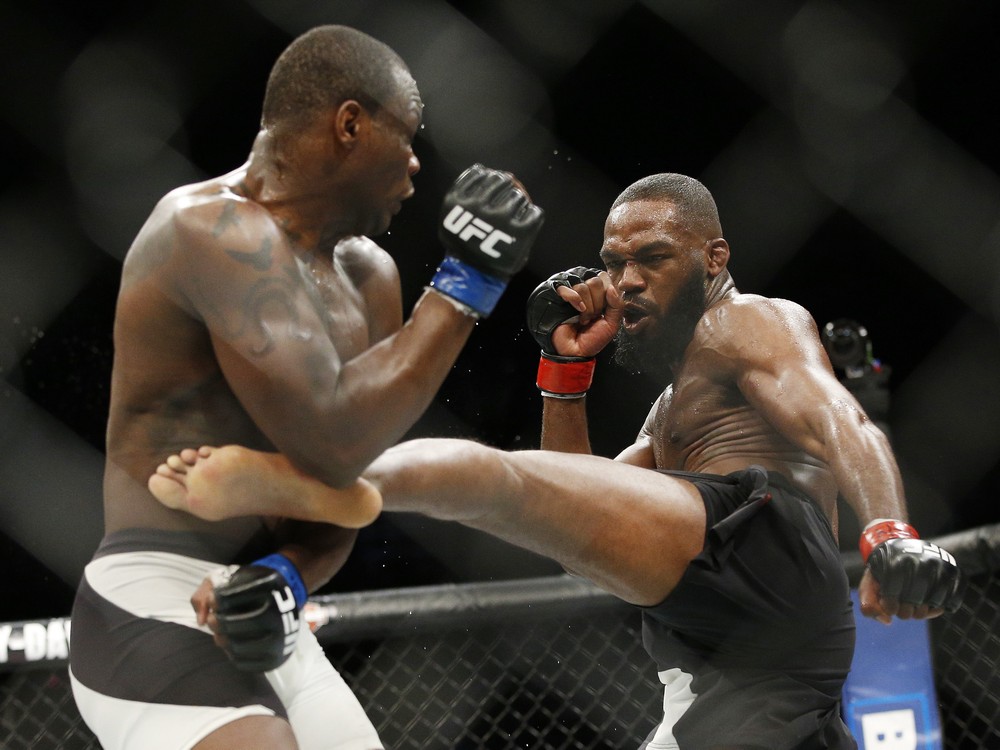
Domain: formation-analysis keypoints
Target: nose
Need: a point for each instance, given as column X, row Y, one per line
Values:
column 630, row 278
column 413, row 166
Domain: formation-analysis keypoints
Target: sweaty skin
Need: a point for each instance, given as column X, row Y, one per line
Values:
column 751, row 384
column 250, row 313
column 254, row 310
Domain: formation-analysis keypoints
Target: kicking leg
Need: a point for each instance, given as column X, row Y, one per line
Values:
column 631, row 531
column 218, row 483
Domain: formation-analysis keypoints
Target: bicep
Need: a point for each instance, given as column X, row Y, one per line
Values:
column 266, row 331
column 791, row 384
column 381, row 288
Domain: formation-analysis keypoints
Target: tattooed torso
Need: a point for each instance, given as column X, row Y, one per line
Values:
column 213, row 287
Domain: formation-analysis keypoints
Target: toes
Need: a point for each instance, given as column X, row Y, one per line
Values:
column 189, row 456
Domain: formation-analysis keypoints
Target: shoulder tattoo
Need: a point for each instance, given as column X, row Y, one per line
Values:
column 228, row 218
column 267, row 308
column 259, row 259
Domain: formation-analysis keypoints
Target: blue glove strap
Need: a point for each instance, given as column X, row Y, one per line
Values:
column 287, row 568
column 468, row 285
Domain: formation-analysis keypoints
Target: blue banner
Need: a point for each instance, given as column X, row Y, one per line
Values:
column 889, row 697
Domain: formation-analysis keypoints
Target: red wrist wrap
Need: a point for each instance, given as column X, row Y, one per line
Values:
column 882, row 531
column 565, row 376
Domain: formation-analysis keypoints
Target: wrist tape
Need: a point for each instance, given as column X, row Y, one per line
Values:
column 468, row 285
column 881, row 530
column 460, row 306
column 291, row 574
column 565, row 377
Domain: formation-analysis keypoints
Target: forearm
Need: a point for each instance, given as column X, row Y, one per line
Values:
column 564, row 425
column 867, row 474
column 378, row 395
column 317, row 550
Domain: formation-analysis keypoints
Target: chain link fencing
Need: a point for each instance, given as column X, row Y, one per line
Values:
column 548, row 664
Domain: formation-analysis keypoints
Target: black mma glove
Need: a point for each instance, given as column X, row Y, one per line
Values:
column 558, row 376
column 488, row 225
column 909, row 569
column 257, row 607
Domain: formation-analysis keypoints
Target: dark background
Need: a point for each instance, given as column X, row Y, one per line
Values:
column 851, row 148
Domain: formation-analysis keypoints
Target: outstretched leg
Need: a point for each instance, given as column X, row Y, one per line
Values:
column 629, row 530
column 218, row 483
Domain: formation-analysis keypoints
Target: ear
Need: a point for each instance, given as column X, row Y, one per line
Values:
column 349, row 122
column 717, row 256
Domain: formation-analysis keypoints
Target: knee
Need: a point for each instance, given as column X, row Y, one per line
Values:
column 251, row 733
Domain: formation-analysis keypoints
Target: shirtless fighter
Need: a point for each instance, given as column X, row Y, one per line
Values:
column 254, row 310
column 719, row 522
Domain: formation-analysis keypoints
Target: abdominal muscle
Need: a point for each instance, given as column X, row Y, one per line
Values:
column 736, row 439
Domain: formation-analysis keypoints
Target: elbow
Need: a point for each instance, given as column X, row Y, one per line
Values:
column 852, row 424
column 335, row 465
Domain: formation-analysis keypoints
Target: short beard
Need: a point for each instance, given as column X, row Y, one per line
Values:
column 661, row 351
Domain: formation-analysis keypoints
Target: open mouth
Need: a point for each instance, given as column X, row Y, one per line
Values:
column 634, row 318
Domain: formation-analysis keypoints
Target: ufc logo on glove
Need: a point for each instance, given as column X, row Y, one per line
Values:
column 466, row 226
column 289, row 619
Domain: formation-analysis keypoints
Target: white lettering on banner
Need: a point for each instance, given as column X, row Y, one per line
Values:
column 35, row 641
column 890, row 730
column 58, row 641
column 5, row 631
column 466, row 226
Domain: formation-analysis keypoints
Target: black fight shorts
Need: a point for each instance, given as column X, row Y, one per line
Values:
column 755, row 642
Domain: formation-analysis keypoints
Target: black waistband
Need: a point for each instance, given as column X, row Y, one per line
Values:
column 201, row 546
column 774, row 478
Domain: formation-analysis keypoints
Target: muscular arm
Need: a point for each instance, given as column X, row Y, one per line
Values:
column 318, row 550
column 565, row 429
column 330, row 414
column 564, row 425
column 595, row 307
column 784, row 373
column 788, row 378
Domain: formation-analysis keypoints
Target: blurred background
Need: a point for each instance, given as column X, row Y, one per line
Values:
column 851, row 147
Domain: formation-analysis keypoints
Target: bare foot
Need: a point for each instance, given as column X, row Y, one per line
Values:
column 217, row 483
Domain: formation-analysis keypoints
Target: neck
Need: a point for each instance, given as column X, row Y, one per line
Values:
column 284, row 183
column 720, row 288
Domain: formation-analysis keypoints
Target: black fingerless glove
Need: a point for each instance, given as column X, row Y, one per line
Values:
column 558, row 376
column 488, row 225
column 258, row 612
column 909, row 569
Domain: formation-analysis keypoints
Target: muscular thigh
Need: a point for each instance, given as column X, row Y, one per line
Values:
column 251, row 733
column 631, row 531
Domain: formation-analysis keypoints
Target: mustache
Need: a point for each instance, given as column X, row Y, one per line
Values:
column 634, row 302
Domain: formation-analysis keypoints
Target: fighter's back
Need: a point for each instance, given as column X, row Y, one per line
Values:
column 168, row 390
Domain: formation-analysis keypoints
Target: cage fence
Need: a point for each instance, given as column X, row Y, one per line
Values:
column 549, row 663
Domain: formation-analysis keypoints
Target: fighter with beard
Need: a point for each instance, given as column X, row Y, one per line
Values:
column 718, row 522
